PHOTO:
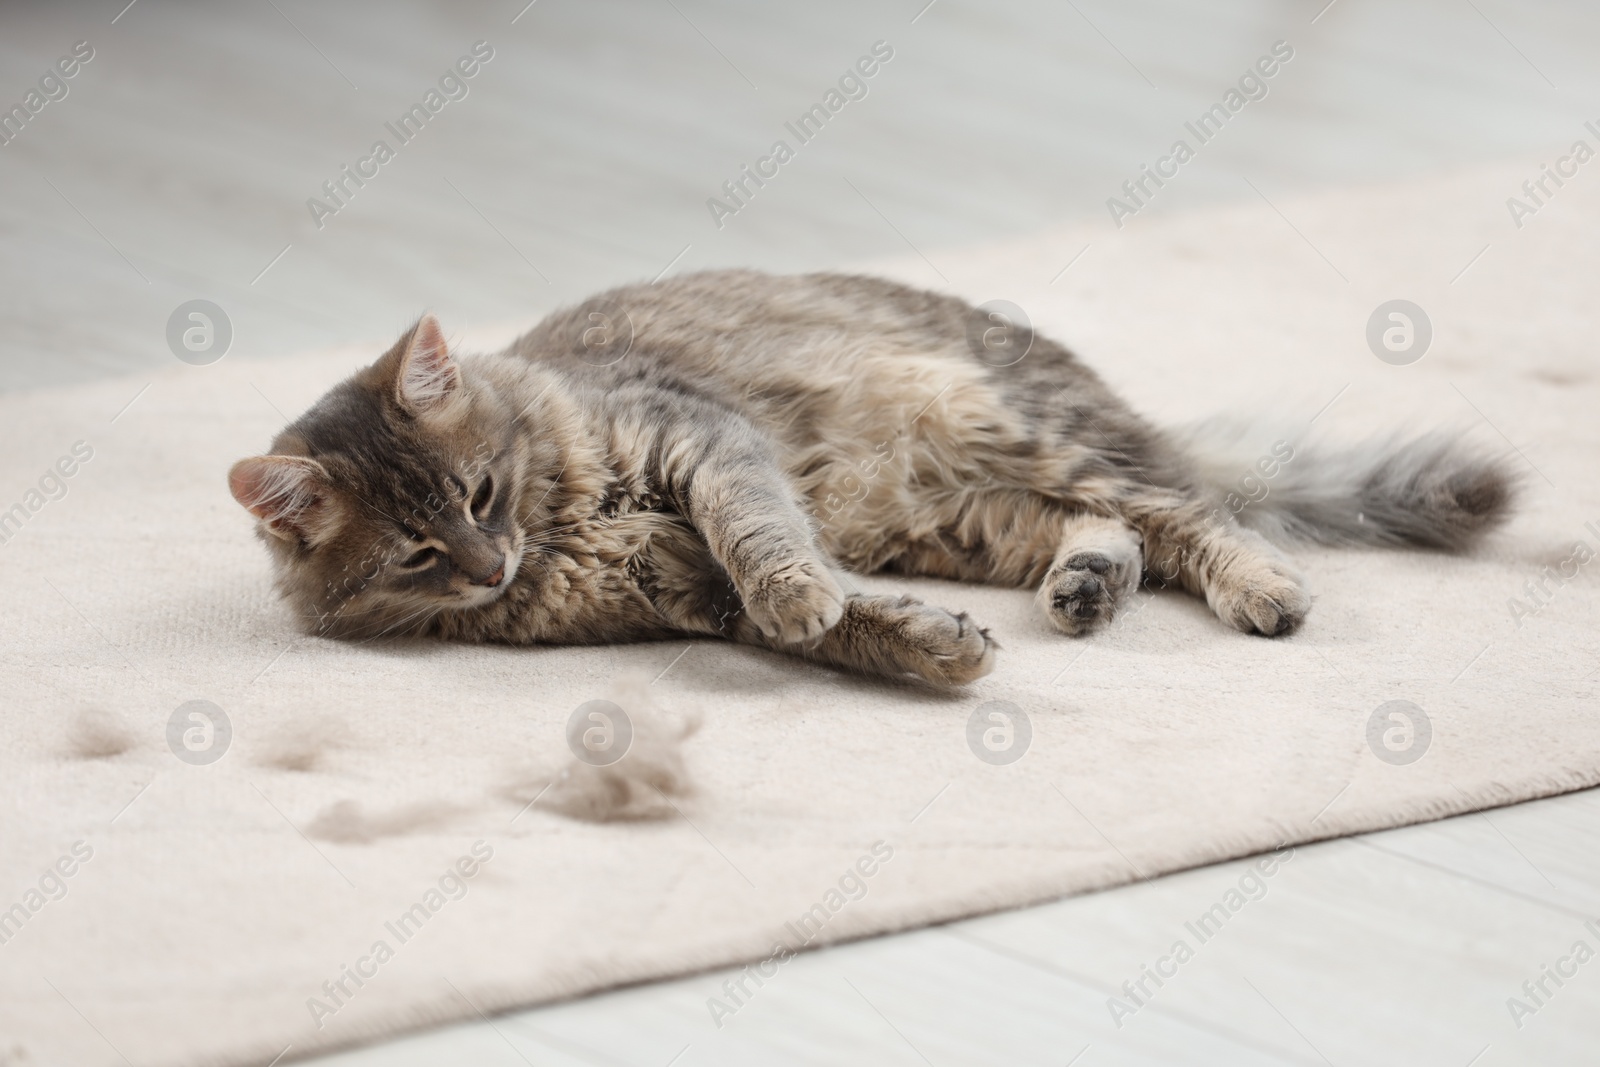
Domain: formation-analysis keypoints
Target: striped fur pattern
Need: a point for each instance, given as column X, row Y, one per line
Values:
column 705, row 456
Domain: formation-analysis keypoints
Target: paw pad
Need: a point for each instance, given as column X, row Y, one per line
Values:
column 1084, row 591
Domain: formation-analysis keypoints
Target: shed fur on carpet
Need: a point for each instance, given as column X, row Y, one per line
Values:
column 363, row 780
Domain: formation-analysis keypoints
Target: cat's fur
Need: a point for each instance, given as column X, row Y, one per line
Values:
column 702, row 456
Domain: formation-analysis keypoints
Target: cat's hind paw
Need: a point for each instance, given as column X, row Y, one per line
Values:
column 1084, row 591
column 1267, row 598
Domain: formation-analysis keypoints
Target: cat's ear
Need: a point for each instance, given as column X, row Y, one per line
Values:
column 427, row 377
column 289, row 494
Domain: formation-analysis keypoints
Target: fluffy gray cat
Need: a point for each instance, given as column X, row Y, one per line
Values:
column 704, row 455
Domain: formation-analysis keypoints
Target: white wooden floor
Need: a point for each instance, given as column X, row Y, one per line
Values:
column 179, row 166
column 1395, row 948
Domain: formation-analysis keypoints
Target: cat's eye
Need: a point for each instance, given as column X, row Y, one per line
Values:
column 423, row 557
column 483, row 497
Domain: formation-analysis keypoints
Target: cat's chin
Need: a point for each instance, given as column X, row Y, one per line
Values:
column 480, row 597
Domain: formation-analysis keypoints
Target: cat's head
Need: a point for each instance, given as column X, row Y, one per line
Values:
column 395, row 497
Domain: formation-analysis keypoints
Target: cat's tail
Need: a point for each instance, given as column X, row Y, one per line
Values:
column 1442, row 489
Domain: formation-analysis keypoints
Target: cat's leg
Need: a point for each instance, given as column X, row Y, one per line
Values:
column 1099, row 562
column 896, row 637
column 1083, row 565
column 884, row 636
column 743, row 506
column 1245, row 581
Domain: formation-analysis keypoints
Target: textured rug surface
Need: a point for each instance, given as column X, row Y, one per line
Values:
column 169, row 910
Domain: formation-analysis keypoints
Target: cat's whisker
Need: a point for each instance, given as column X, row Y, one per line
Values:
column 403, row 624
column 555, row 530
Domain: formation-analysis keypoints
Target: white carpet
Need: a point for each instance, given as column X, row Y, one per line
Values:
column 219, row 898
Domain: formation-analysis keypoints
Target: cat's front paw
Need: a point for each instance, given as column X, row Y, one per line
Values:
column 946, row 648
column 794, row 604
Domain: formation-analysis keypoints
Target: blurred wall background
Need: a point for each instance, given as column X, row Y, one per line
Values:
column 581, row 155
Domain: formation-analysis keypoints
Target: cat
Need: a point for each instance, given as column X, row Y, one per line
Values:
column 711, row 455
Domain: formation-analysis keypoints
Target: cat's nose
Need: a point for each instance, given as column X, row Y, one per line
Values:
column 496, row 578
